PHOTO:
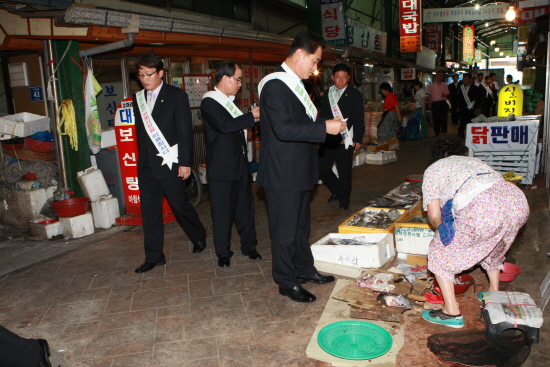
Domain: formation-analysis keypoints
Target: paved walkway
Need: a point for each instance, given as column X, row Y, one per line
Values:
column 95, row 311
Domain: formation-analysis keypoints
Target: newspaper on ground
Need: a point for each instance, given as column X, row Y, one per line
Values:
column 514, row 308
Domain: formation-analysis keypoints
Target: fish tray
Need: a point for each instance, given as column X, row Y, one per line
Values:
column 413, row 238
column 345, row 228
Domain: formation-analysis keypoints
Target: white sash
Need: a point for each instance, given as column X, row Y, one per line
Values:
column 169, row 154
column 466, row 98
column 489, row 91
column 295, row 86
column 347, row 135
column 224, row 100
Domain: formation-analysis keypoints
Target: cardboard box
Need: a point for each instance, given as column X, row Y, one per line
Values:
column 413, row 238
column 357, row 256
column 345, row 228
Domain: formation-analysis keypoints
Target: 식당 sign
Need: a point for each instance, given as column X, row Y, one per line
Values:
column 468, row 44
column 333, row 22
column 410, row 26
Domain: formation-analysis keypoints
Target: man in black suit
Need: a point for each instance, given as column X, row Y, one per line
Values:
column 488, row 97
column 468, row 103
column 16, row 351
column 231, row 198
column 165, row 147
column 288, row 167
column 349, row 103
column 454, row 90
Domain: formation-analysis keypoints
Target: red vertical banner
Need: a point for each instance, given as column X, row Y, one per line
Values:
column 468, row 45
column 434, row 36
column 410, row 26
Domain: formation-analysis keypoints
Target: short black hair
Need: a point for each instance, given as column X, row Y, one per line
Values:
column 227, row 67
column 495, row 74
column 418, row 83
column 307, row 41
column 488, row 76
column 341, row 67
column 440, row 71
column 466, row 75
column 150, row 60
column 478, row 74
column 446, row 145
column 386, row 86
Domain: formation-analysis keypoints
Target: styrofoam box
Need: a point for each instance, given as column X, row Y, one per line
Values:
column 44, row 231
column 413, row 238
column 359, row 256
column 27, row 124
column 77, row 227
column 381, row 157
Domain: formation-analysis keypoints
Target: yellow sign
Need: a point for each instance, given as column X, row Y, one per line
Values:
column 523, row 33
column 478, row 55
column 510, row 100
column 468, row 45
column 528, row 76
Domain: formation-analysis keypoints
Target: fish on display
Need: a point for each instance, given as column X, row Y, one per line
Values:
column 372, row 219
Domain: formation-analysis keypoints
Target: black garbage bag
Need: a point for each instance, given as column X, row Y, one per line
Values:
column 475, row 348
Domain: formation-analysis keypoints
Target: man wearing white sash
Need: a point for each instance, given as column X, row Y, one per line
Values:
column 468, row 103
column 227, row 170
column 489, row 97
column 164, row 132
column 288, row 167
column 345, row 102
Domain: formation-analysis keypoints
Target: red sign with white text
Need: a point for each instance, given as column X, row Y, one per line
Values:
column 410, row 26
column 527, row 15
column 434, row 36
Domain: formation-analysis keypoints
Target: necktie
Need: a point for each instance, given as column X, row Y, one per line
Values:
column 151, row 100
column 338, row 94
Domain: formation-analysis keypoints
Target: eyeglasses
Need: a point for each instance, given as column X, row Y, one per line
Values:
column 238, row 80
column 146, row 76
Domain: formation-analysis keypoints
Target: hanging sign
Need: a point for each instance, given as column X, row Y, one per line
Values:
column 528, row 76
column 366, row 38
column 478, row 56
column 510, row 100
column 529, row 10
column 523, row 33
column 434, row 36
column 333, row 22
column 408, row 74
column 468, row 44
column 410, row 26
column 436, row 15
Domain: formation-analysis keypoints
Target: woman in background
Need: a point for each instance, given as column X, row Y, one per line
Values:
column 420, row 104
column 391, row 118
column 488, row 213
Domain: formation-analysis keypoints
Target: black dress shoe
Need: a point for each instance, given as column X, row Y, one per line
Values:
column 253, row 255
column 315, row 278
column 223, row 262
column 44, row 360
column 199, row 246
column 146, row 266
column 298, row 294
column 344, row 206
column 332, row 198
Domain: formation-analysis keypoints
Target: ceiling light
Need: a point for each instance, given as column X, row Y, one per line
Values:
column 501, row 54
column 477, row 6
column 510, row 14
column 493, row 42
column 497, row 49
column 486, row 25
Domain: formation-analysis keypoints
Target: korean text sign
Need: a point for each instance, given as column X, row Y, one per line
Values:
column 510, row 100
column 434, row 36
column 333, row 22
column 503, row 136
column 468, row 44
column 410, row 26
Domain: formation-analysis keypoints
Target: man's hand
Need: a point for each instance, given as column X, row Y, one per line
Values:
column 357, row 146
column 256, row 112
column 335, row 126
column 184, row 172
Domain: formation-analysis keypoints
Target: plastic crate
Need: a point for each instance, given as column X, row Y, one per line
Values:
column 25, row 124
column 345, row 228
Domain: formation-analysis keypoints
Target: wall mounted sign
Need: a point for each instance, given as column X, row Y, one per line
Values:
column 410, row 26
column 436, row 15
column 434, row 36
column 333, row 22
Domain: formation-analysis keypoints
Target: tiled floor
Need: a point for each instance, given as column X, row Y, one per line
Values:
column 95, row 311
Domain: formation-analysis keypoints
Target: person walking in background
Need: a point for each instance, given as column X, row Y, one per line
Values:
column 488, row 213
column 468, row 103
column 453, row 96
column 420, row 104
column 480, row 79
column 227, row 171
column 288, row 167
column 494, row 81
column 391, row 118
column 341, row 101
column 439, row 91
column 509, row 79
column 164, row 131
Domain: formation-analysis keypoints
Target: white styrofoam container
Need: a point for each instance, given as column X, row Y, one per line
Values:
column 27, row 124
column 359, row 256
column 381, row 157
column 108, row 138
column 105, row 210
column 359, row 157
column 202, row 174
column 44, row 231
column 92, row 183
column 413, row 241
column 77, row 227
